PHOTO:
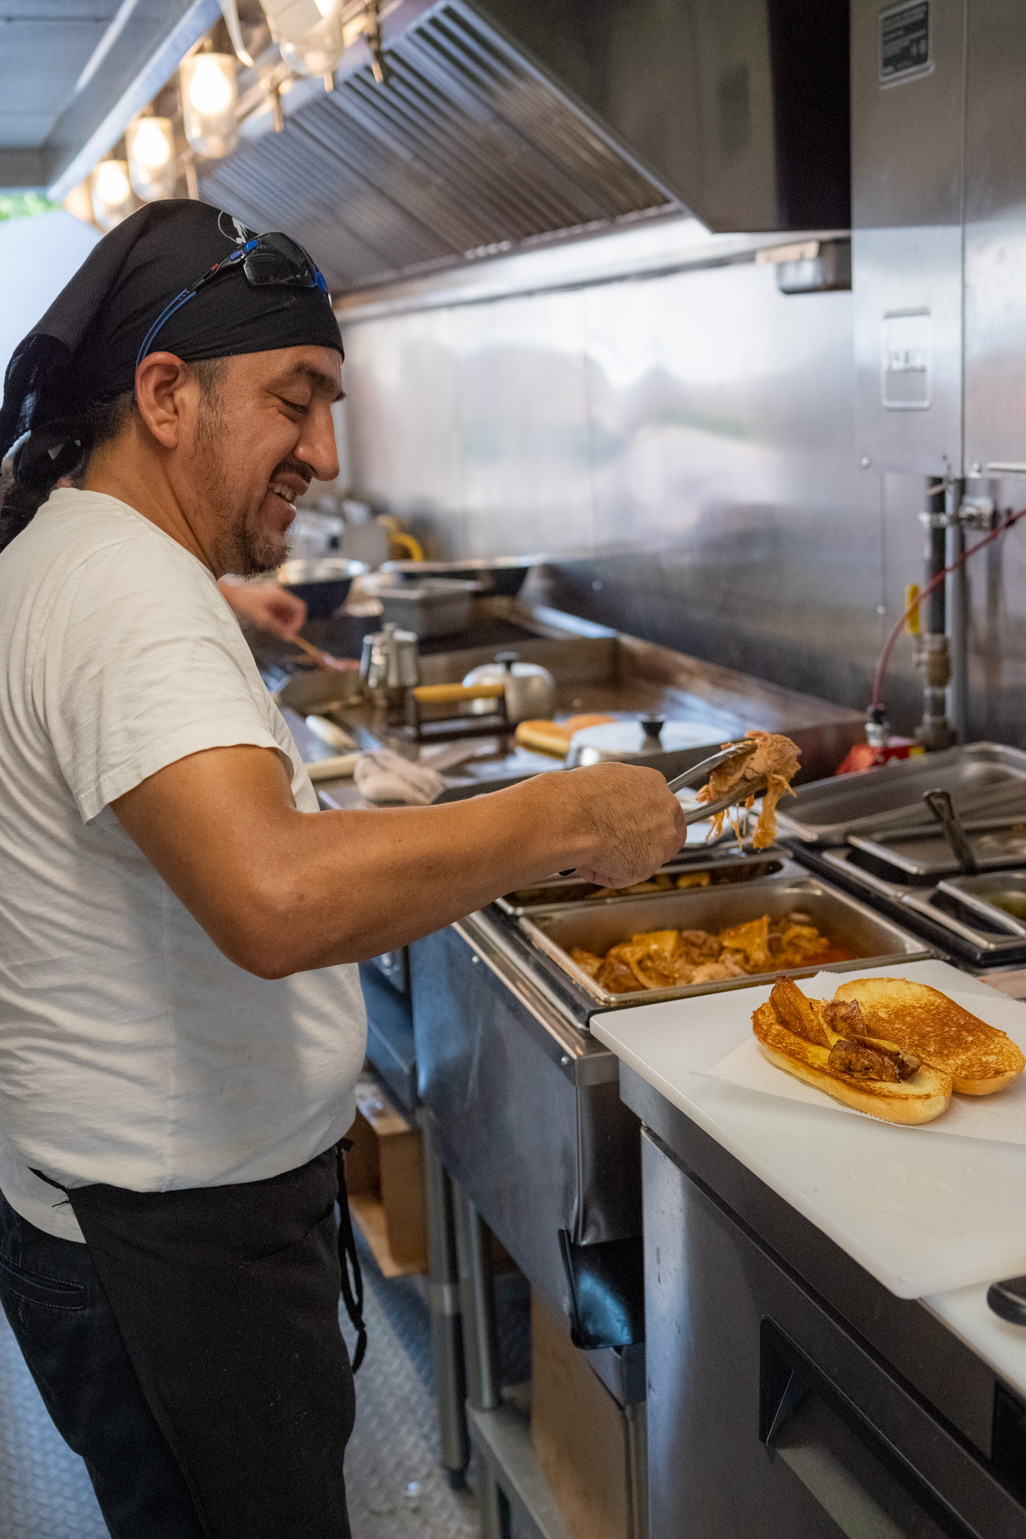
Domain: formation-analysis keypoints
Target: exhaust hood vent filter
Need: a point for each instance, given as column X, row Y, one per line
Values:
column 468, row 148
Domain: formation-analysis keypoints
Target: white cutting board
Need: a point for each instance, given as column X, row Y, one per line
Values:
column 922, row 1215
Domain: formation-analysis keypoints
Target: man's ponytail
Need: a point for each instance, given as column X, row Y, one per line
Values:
column 58, row 452
column 20, row 503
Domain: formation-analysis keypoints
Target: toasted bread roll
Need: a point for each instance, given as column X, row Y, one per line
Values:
column 979, row 1058
column 554, row 736
column 912, row 1101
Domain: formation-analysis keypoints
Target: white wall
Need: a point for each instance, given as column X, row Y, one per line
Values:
column 38, row 255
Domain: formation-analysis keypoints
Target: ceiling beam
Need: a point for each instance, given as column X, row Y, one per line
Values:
column 154, row 36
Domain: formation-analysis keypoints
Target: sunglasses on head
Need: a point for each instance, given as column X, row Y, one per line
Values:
column 265, row 261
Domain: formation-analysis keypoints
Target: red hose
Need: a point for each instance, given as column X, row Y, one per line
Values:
column 889, row 645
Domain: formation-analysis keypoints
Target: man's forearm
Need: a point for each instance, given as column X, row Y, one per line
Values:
column 354, row 884
column 280, row 891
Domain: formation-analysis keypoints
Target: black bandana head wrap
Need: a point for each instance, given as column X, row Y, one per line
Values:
column 84, row 349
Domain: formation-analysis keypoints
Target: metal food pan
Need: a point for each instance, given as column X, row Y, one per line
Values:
column 596, row 927
column 924, row 854
column 1000, row 897
column 949, row 921
column 559, row 892
column 826, row 811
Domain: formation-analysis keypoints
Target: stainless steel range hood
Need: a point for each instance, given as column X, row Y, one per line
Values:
column 505, row 121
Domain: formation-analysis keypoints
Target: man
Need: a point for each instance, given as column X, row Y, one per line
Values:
column 180, row 1019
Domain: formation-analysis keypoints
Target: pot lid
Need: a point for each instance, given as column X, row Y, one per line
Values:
column 505, row 664
column 638, row 739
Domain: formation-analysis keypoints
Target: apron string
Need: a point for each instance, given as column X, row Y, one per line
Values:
column 352, row 1291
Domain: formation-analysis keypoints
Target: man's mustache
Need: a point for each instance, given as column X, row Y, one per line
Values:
column 296, row 467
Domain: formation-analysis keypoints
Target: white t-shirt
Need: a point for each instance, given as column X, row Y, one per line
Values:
column 131, row 1051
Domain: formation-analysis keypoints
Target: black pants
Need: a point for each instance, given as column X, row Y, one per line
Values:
column 191, row 1353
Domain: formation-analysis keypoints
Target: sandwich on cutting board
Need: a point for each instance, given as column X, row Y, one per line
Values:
column 979, row 1058
column 886, row 1046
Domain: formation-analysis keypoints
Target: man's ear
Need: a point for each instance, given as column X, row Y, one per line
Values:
column 163, row 386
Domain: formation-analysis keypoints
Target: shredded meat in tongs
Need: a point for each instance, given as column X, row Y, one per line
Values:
column 775, row 760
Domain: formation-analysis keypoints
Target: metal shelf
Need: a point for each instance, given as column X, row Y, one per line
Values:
column 503, row 1439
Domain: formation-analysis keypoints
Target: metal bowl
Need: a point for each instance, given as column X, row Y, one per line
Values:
column 322, row 584
column 499, row 575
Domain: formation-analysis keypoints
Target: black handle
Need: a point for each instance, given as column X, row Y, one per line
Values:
column 940, row 804
column 1008, row 1299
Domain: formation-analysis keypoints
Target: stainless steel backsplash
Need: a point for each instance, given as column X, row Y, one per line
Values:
column 681, row 444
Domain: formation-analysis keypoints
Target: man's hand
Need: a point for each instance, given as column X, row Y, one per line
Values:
column 266, row 605
column 637, row 822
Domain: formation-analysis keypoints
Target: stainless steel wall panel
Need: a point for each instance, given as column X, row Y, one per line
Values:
column 907, row 190
column 687, row 438
column 687, row 443
column 995, row 240
column 908, row 348
column 404, row 371
column 522, row 424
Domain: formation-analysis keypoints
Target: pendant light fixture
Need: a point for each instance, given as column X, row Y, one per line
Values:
column 208, row 103
column 111, row 193
column 150, row 142
column 308, row 33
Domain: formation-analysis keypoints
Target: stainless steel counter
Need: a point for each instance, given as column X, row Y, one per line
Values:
column 596, row 669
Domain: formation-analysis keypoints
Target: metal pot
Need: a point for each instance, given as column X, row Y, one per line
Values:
column 626, row 740
column 530, row 690
column 389, row 662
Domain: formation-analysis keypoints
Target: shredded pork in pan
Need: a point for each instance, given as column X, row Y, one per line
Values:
column 660, row 959
column 776, row 760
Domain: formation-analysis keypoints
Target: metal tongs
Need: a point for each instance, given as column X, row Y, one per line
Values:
column 698, row 773
column 701, row 772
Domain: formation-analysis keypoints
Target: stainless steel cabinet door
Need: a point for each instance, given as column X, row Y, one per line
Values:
column 766, row 1416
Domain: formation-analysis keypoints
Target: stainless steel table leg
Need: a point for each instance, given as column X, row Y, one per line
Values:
column 477, row 1299
column 477, row 1304
column 444, row 1306
column 495, row 1515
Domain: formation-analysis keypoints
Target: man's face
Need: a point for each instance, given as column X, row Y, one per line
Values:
column 263, row 432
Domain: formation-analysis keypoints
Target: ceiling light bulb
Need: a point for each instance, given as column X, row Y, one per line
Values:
column 208, row 103
column 111, row 193
column 111, row 185
column 210, row 90
column 152, row 145
column 325, row 6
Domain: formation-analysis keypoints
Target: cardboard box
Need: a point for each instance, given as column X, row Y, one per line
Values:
column 385, row 1179
column 579, row 1433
